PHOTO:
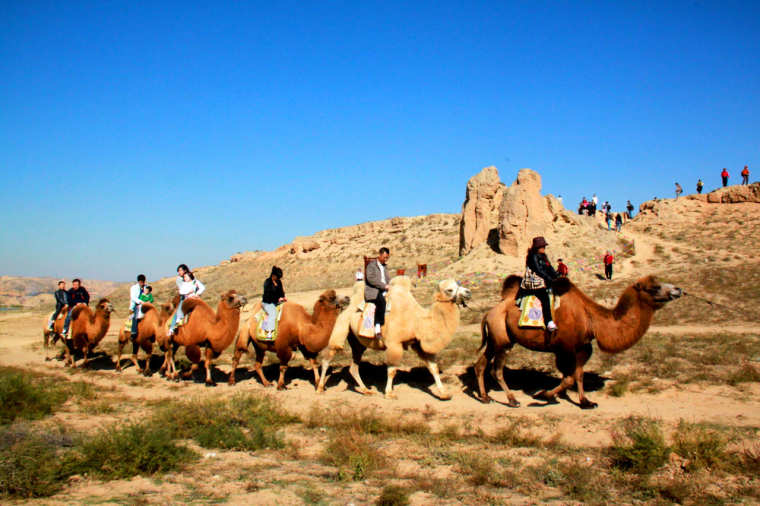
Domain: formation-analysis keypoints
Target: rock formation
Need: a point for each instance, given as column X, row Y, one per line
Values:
column 524, row 214
column 735, row 194
column 480, row 211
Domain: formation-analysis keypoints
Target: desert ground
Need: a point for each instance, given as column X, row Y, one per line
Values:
column 678, row 419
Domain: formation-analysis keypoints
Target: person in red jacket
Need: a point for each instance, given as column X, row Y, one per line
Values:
column 608, row 259
column 562, row 269
column 724, row 176
column 745, row 175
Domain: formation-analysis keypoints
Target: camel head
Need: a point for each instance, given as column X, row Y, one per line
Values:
column 331, row 300
column 654, row 293
column 232, row 300
column 105, row 306
column 451, row 291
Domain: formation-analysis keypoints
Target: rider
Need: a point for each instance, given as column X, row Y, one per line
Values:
column 135, row 303
column 376, row 286
column 189, row 287
column 539, row 275
column 274, row 295
column 77, row 295
column 61, row 301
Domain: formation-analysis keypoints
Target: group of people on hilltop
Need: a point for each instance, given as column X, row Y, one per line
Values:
column 588, row 208
column 724, row 176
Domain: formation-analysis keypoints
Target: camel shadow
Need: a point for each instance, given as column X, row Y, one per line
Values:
column 528, row 381
column 376, row 375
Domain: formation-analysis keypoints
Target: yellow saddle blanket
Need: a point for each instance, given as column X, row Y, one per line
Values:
column 261, row 316
column 531, row 313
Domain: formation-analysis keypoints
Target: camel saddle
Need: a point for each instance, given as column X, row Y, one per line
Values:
column 367, row 326
column 168, row 323
column 260, row 317
column 531, row 313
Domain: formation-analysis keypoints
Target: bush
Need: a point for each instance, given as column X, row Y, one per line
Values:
column 702, row 448
column 29, row 464
column 353, row 454
column 393, row 495
column 136, row 449
column 239, row 423
column 640, row 448
column 30, row 397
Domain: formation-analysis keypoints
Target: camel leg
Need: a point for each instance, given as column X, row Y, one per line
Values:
column 389, row 394
column 566, row 365
column 281, row 379
column 148, row 353
column 498, row 373
column 443, row 393
column 480, row 368
column 118, row 354
column 357, row 350
column 580, row 360
column 258, row 366
column 207, row 361
column 235, row 362
column 135, row 348
column 325, row 365
column 315, row 369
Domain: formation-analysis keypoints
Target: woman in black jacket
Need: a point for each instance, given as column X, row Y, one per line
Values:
column 539, row 275
column 274, row 294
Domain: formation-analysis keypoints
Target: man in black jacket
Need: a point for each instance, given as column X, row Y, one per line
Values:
column 77, row 295
column 376, row 286
column 61, row 301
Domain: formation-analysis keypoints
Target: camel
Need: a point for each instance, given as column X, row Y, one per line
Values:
column 297, row 330
column 53, row 336
column 206, row 329
column 407, row 324
column 87, row 329
column 149, row 328
column 580, row 320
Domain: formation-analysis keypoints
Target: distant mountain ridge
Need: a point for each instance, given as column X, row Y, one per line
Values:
column 34, row 291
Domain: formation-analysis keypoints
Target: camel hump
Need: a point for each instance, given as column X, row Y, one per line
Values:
column 510, row 284
column 78, row 309
column 189, row 304
column 561, row 286
column 147, row 306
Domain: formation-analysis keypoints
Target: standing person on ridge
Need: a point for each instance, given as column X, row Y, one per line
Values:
column 376, row 287
column 745, row 175
column 77, row 295
column 274, row 295
column 618, row 222
column 700, row 185
column 724, row 177
column 135, row 303
column 539, row 275
column 562, row 269
column 61, row 301
column 608, row 259
column 629, row 208
column 679, row 190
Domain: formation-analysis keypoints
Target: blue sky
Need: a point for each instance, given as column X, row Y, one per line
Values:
column 138, row 135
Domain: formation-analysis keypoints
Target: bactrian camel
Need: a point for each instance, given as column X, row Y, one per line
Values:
column 87, row 329
column 580, row 320
column 52, row 336
column 150, row 327
column 296, row 330
column 407, row 324
column 206, row 329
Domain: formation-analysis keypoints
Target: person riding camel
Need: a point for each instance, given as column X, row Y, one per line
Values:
column 274, row 295
column 190, row 287
column 135, row 304
column 61, row 301
column 77, row 295
column 376, row 286
column 539, row 275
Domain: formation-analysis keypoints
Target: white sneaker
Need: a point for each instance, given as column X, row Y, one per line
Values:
column 551, row 326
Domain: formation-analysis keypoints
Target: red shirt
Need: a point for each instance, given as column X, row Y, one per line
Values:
column 745, row 172
column 724, row 173
column 608, row 259
column 562, row 269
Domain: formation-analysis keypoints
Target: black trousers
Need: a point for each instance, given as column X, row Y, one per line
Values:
column 608, row 271
column 541, row 294
column 725, row 181
column 379, row 303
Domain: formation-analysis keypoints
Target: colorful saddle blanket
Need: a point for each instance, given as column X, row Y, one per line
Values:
column 367, row 323
column 531, row 313
column 261, row 316
column 168, row 324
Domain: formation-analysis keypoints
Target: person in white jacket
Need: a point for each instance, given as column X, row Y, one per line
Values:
column 135, row 304
column 190, row 287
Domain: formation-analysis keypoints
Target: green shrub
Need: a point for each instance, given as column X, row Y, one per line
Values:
column 640, row 447
column 25, row 396
column 354, row 454
column 393, row 495
column 136, row 449
column 240, row 423
column 29, row 464
column 702, row 448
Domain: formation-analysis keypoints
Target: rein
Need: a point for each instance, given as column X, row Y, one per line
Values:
column 715, row 304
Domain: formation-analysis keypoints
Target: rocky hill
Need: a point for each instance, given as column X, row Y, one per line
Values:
column 33, row 292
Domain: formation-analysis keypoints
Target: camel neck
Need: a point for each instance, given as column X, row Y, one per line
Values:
column 623, row 326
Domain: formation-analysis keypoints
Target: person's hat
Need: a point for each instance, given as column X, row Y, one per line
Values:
column 539, row 242
column 559, row 260
column 276, row 271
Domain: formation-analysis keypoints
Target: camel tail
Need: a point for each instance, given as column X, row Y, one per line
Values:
column 484, row 334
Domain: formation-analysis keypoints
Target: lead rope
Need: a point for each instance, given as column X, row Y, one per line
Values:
column 715, row 304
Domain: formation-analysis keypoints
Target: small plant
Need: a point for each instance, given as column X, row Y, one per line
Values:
column 702, row 448
column 746, row 373
column 619, row 388
column 640, row 447
column 354, row 454
column 393, row 495
column 29, row 464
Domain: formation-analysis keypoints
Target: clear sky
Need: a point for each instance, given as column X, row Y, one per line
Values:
column 138, row 135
